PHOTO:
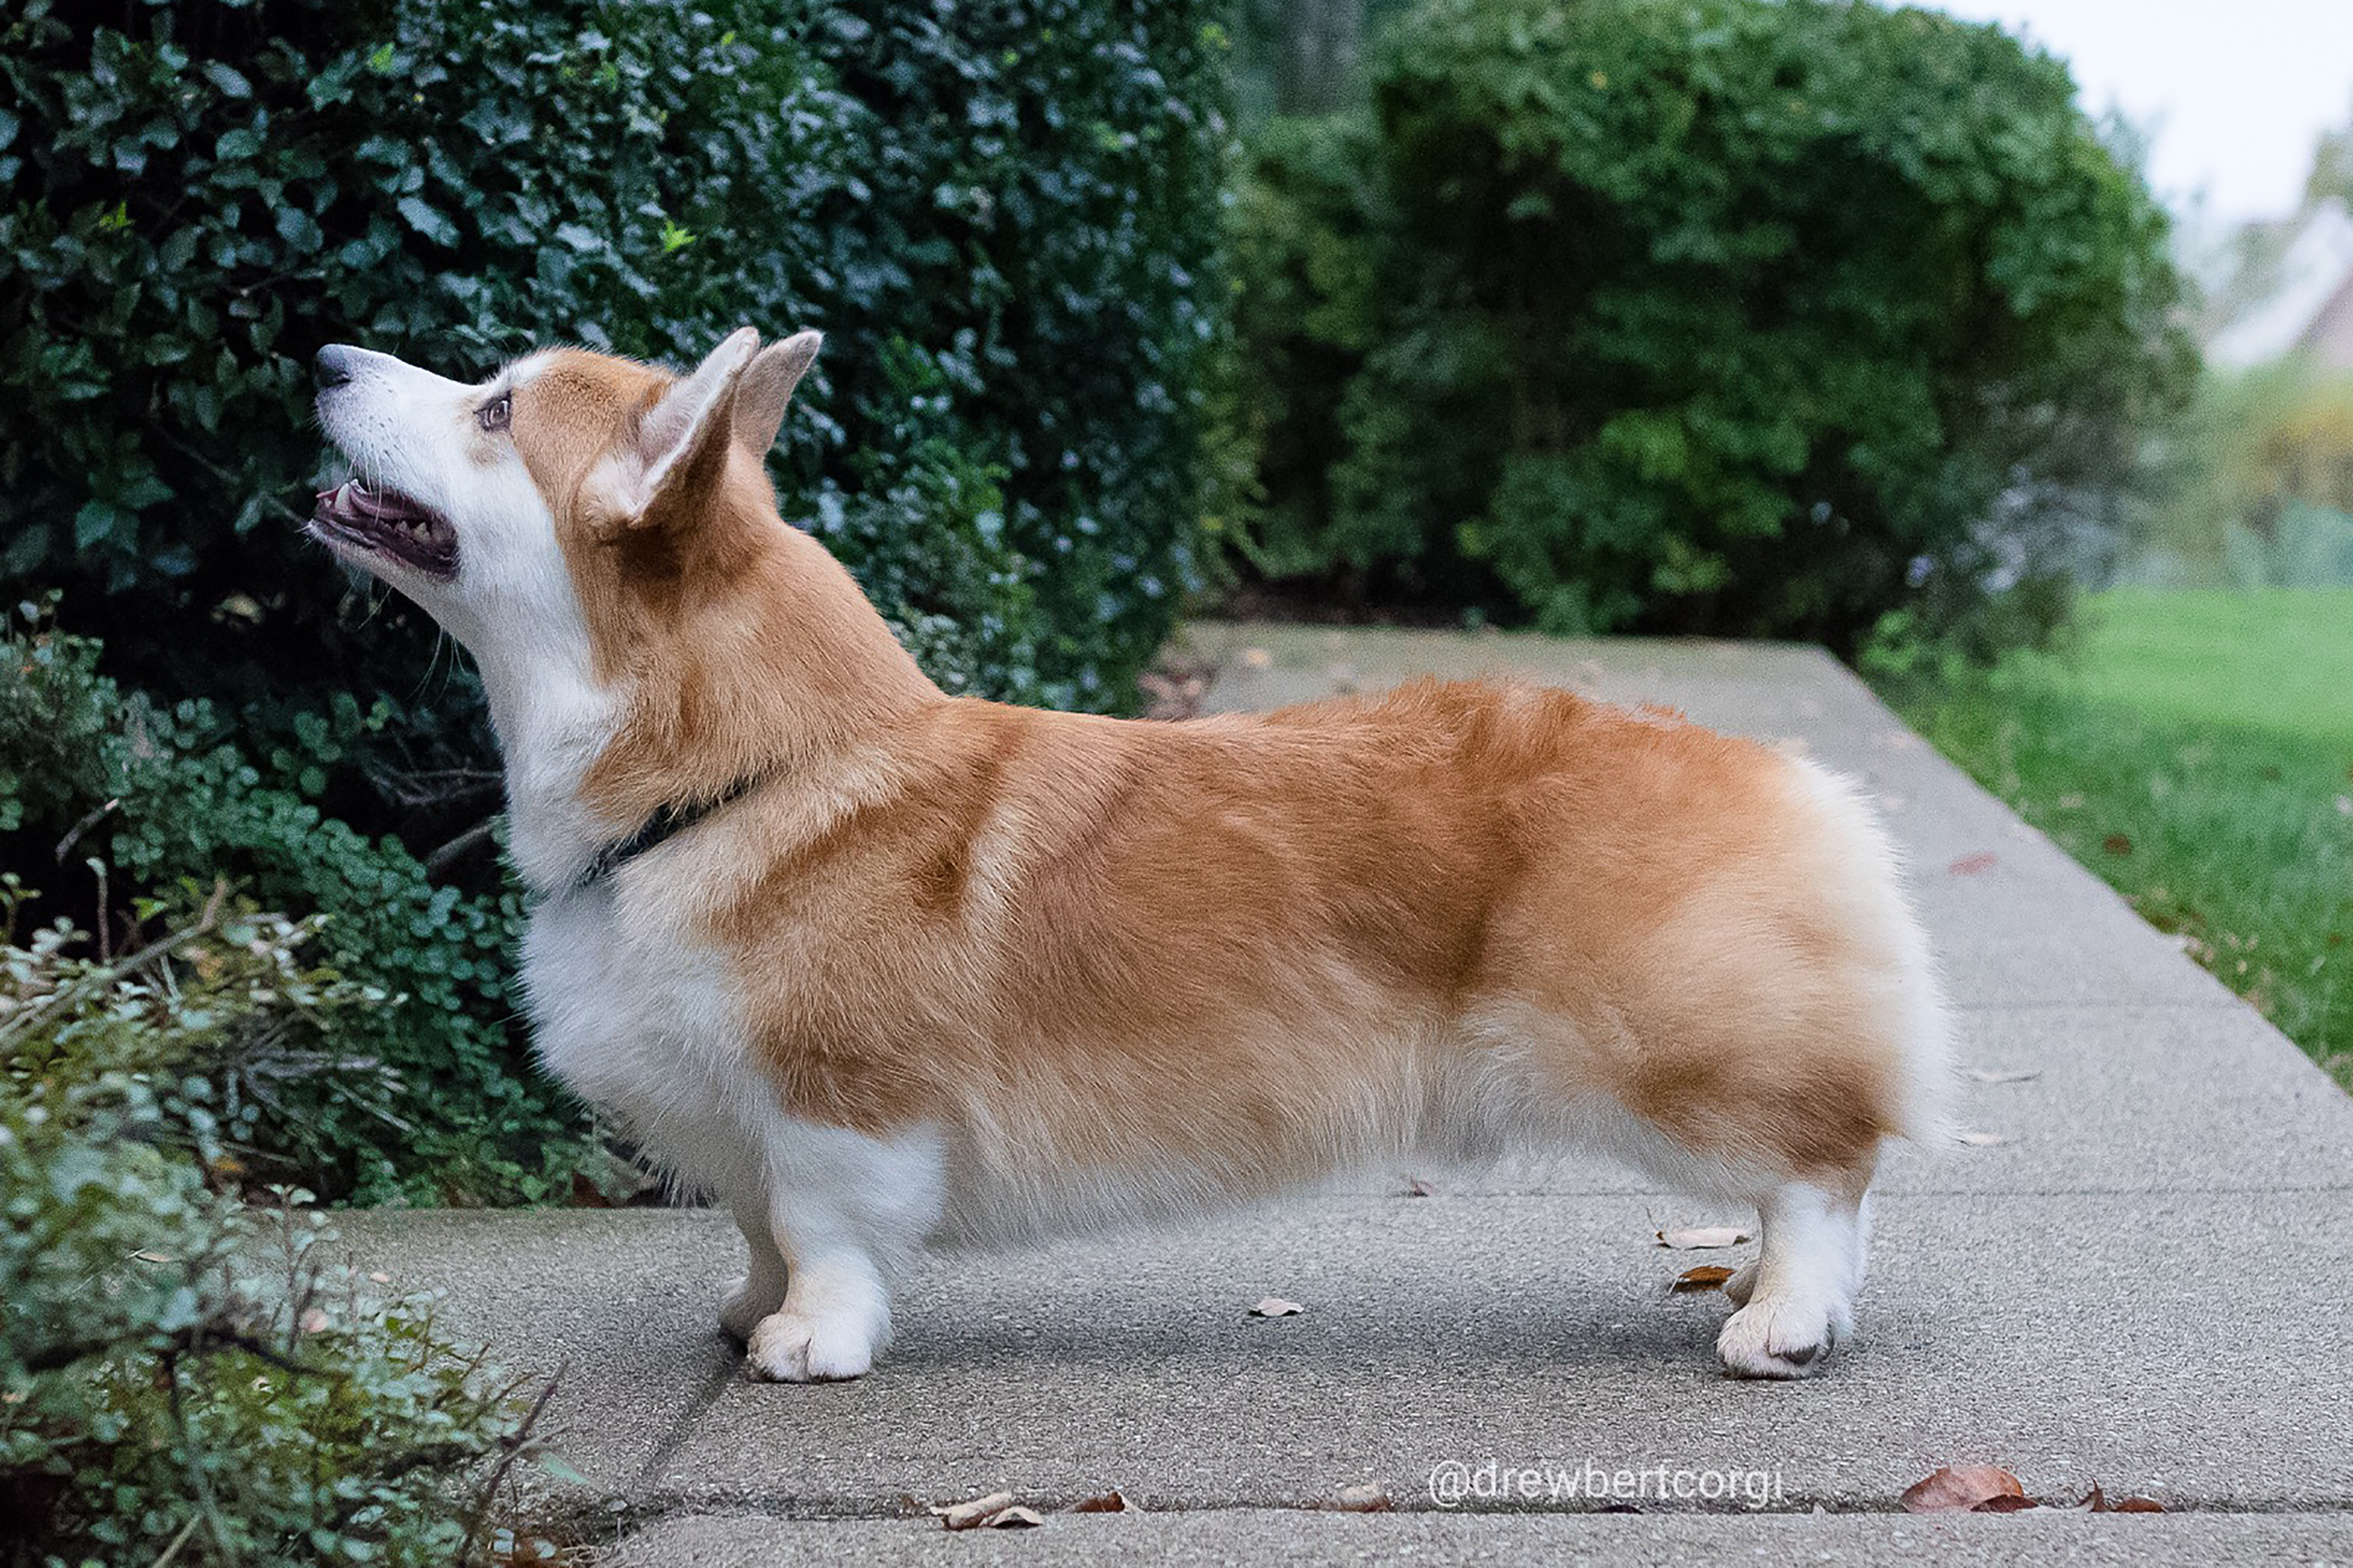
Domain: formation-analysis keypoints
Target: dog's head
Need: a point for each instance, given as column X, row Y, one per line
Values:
column 563, row 491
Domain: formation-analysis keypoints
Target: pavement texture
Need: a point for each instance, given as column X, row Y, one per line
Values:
column 2141, row 1285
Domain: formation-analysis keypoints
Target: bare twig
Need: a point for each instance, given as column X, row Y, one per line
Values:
column 438, row 863
column 178, row 1540
column 515, row 1447
column 91, row 818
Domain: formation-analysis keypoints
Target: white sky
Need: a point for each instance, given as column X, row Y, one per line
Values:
column 2235, row 91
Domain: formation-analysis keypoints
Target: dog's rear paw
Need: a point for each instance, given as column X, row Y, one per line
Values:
column 742, row 1308
column 1781, row 1338
column 789, row 1347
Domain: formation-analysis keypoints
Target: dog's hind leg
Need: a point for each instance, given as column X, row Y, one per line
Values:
column 1743, row 1285
column 1797, row 1299
column 845, row 1212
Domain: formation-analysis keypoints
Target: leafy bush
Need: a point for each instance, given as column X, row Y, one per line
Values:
column 1005, row 216
column 1734, row 316
column 425, row 1094
column 176, row 1382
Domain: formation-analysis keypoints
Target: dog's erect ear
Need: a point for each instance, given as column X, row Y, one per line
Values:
column 682, row 440
column 767, row 386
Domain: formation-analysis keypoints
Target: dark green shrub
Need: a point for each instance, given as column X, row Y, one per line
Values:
column 1005, row 216
column 1733, row 317
column 181, row 1379
column 426, row 1093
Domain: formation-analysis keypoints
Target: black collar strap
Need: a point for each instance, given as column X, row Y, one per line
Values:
column 657, row 830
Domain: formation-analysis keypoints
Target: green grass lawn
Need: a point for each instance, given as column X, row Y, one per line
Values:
column 2197, row 752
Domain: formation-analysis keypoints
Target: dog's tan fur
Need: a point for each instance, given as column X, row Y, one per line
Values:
column 1154, row 933
column 1225, row 953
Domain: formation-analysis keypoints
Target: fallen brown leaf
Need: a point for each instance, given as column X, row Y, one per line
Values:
column 2118, row 843
column 1708, row 1276
column 1995, row 1075
column 1983, row 1140
column 2097, row 1503
column 974, row 1513
column 1015, row 1518
column 1275, row 1306
column 1110, row 1502
column 1366, row 1497
column 1971, row 865
column 1702, row 1238
column 1961, row 1488
column 2005, row 1505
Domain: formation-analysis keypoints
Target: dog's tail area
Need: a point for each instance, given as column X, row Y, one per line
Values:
column 1901, row 972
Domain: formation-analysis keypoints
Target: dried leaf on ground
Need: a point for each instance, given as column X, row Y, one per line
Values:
column 2118, row 843
column 1366, row 1497
column 1708, row 1276
column 1997, row 1075
column 1961, row 1488
column 1417, row 1188
column 1110, row 1502
column 1971, row 865
column 2097, row 1503
column 1275, row 1306
column 1976, row 1140
column 1702, row 1238
column 974, row 1513
column 1015, row 1518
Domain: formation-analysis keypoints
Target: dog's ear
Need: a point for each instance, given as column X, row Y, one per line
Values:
column 682, row 441
column 767, row 386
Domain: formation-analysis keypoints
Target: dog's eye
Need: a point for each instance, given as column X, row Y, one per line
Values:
column 495, row 414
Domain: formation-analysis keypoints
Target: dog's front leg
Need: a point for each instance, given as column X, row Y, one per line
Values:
column 844, row 1212
column 760, row 1291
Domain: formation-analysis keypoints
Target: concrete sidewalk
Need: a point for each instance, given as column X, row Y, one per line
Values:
column 2143, row 1286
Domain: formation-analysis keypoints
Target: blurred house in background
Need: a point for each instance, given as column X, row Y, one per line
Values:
column 2293, row 293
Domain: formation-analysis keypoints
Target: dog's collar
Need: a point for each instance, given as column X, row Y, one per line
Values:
column 665, row 825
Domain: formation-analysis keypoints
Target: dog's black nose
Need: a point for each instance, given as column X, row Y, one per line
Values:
column 334, row 365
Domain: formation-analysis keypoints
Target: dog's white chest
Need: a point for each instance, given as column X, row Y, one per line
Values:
column 630, row 1015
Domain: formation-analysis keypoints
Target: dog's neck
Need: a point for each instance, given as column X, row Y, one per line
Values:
column 789, row 664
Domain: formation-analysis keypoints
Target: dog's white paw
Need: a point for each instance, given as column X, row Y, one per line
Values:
column 1782, row 1337
column 791, row 1347
column 742, row 1308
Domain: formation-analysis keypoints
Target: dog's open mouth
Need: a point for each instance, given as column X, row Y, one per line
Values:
column 387, row 523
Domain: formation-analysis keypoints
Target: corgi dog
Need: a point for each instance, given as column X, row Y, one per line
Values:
column 880, row 969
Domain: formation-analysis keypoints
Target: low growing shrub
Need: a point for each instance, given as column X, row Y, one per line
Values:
column 183, row 1379
column 424, row 1094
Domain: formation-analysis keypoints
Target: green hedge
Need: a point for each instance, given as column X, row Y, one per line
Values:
column 1731, row 316
column 1003, row 216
